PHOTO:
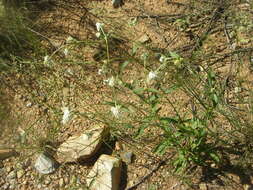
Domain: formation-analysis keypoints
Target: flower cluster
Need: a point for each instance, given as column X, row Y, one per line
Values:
column 110, row 81
column 46, row 59
column 99, row 27
column 116, row 111
column 152, row 75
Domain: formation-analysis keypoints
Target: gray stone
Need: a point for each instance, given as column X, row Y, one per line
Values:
column 105, row 174
column 126, row 157
column 44, row 164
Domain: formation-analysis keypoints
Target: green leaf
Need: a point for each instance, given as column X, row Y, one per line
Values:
column 135, row 48
column 171, row 89
column 141, row 130
column 161, row 148
column 174, row 55
column 169, row 120
column 139, row 91
column 152, row 90
column 215, row 157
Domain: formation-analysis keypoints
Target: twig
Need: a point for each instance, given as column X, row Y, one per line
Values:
column 159, row 16
column 161, row 163
column 242, row 50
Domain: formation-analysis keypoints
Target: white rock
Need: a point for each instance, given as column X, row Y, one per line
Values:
column 105, row 174
column 44, row 164
column 83, row 146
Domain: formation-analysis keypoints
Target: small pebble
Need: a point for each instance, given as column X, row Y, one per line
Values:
column 29, row 104
column 126, row 157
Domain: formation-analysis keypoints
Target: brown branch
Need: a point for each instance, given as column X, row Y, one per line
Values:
column 161, row 163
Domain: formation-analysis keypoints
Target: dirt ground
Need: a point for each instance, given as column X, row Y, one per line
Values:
column 38, row 111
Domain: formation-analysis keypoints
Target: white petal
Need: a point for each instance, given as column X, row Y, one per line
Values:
column 66, row 115
column 46, row 59
column 116, row 111
column 99, row 26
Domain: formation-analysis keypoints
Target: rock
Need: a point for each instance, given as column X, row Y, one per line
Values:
column 144, row 39
column 20, row 173
column 117, row 3
column 82, row 147
column 126, row 157
column 105, row 174
column 44, row 164
column 7, row 153
column 29, row 104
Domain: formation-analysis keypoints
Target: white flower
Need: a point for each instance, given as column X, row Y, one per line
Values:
column 98, row 34
column 66, row 115
column 151, row 76
column 69, row 39
column 99, row 26
column 66, row 52
column 162, row 59
column 46, row 59
column 116, row 111
column 100, row 71
column 110, row 81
